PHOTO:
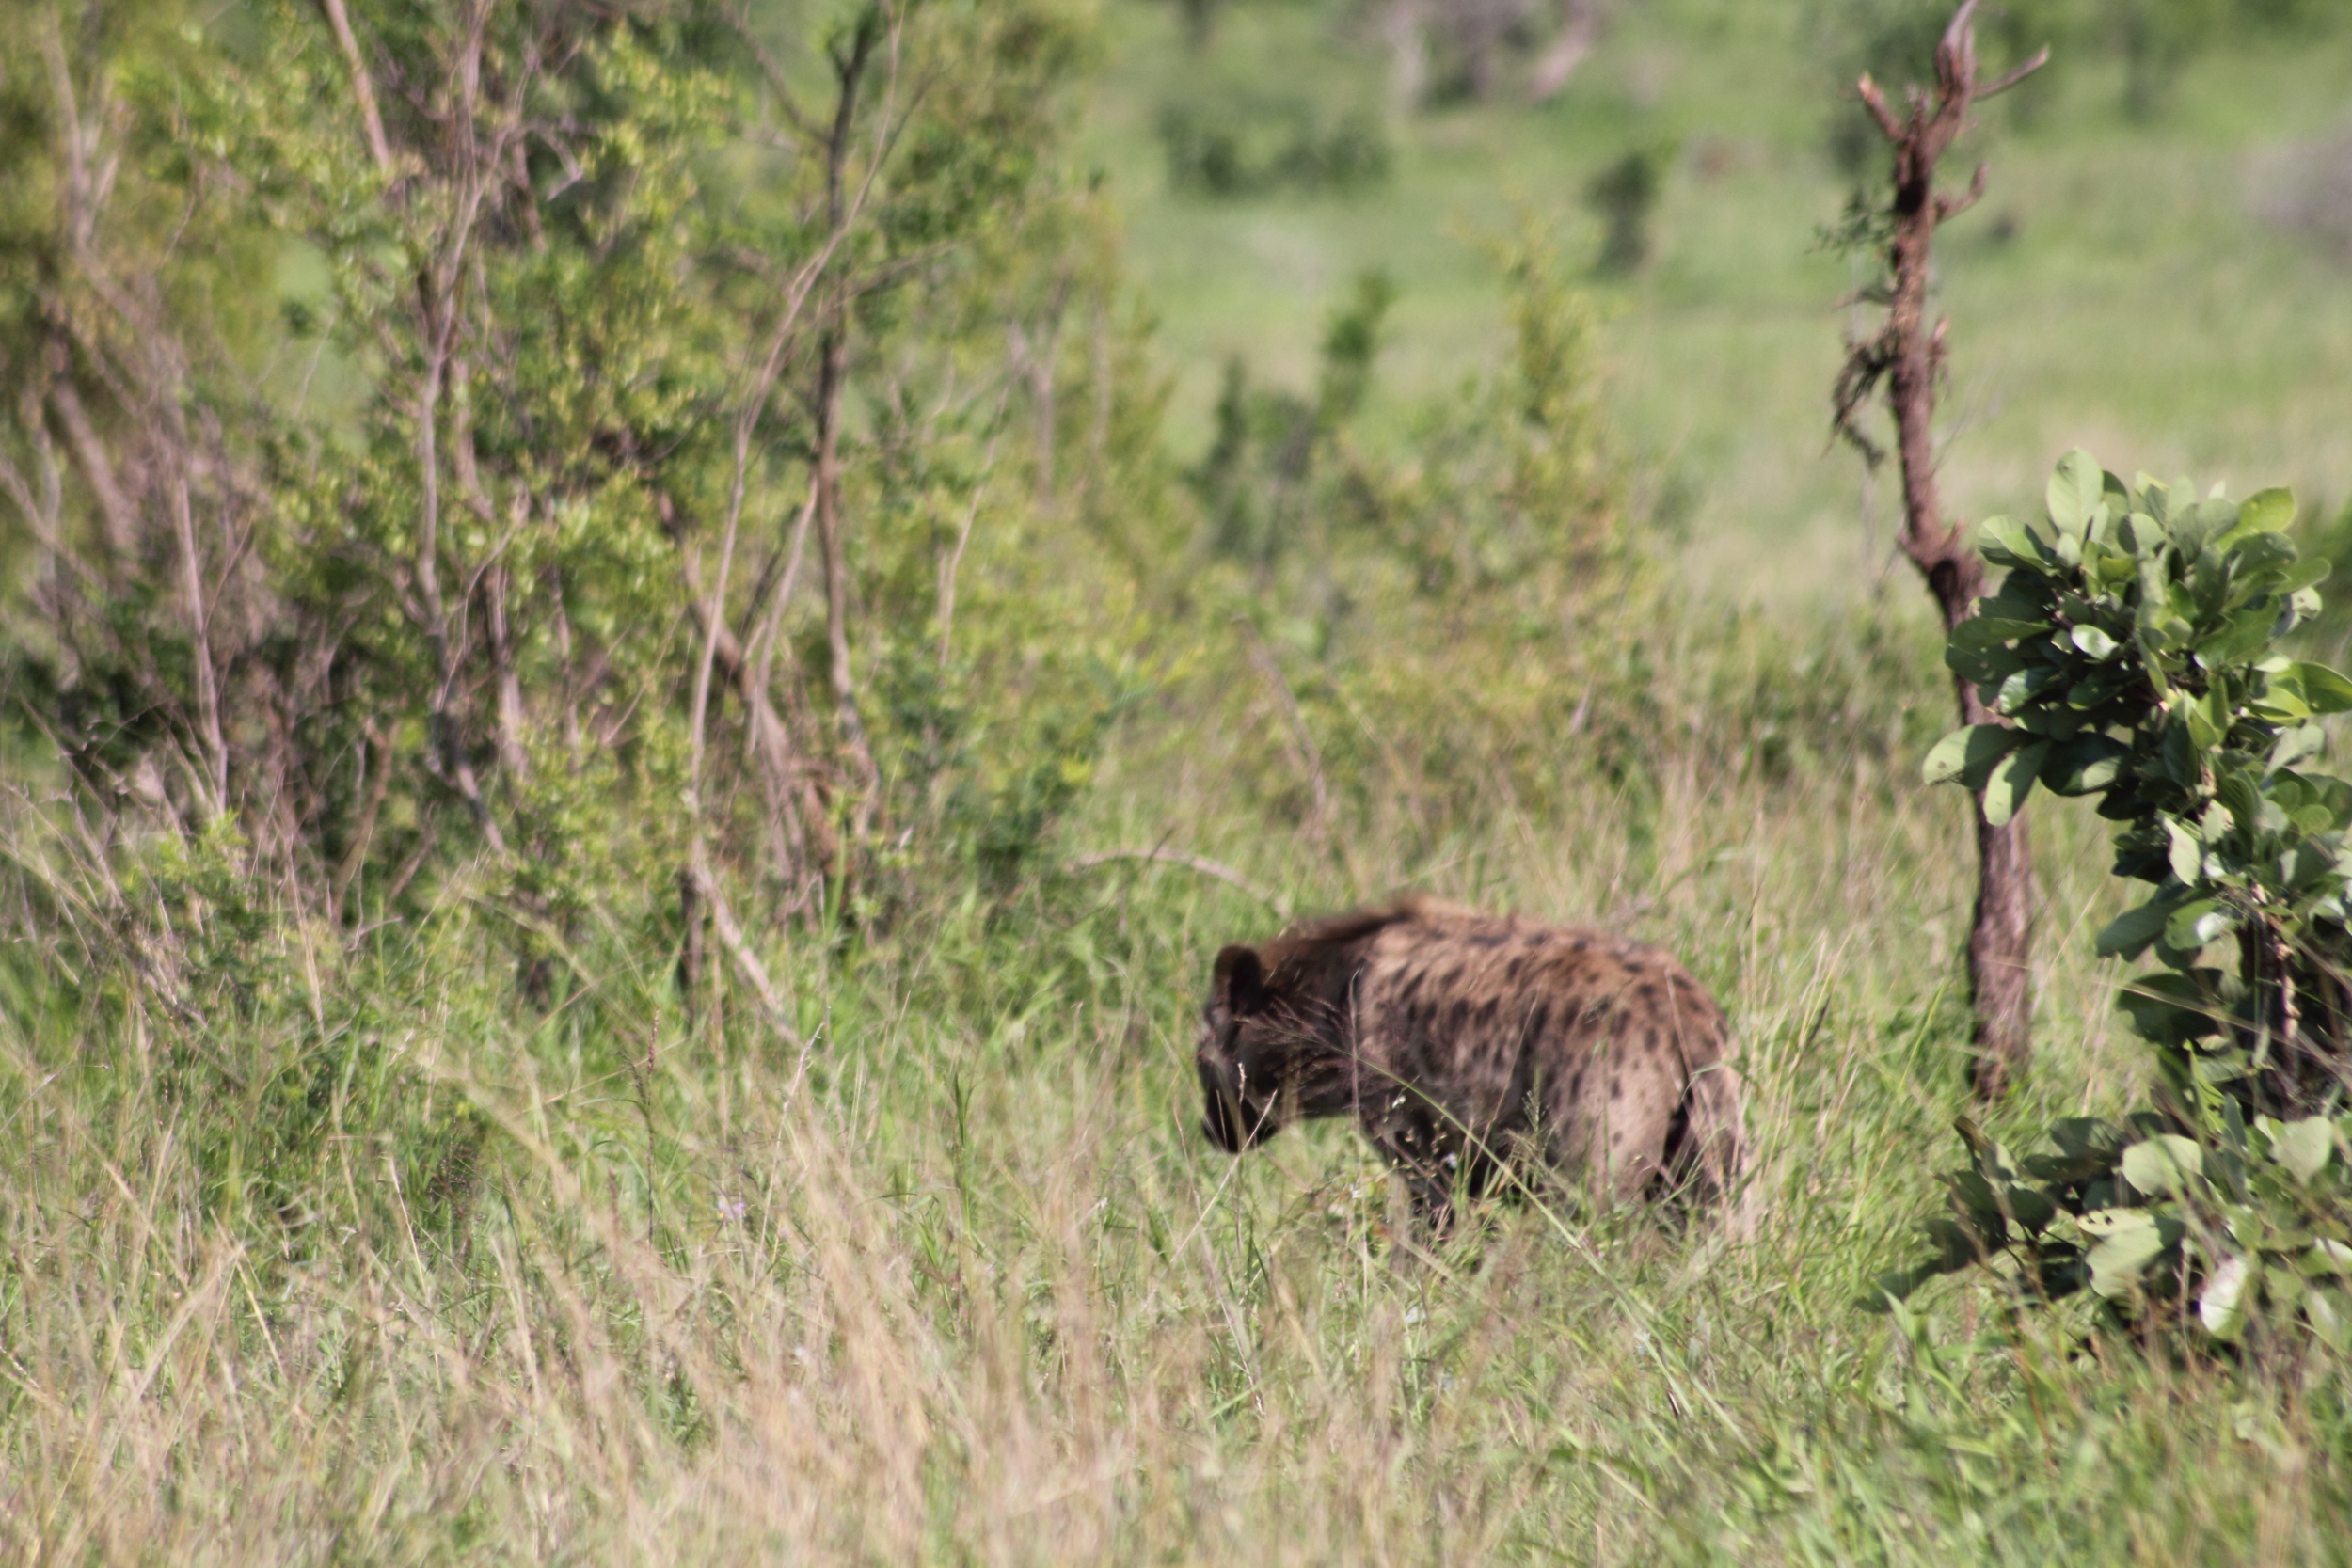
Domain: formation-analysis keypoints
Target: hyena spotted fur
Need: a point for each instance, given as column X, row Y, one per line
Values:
column 1460, row 1040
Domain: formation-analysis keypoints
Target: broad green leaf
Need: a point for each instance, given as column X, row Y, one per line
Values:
column 2097, row 643
column 2184, row 763
column 2186, row 855
column 2194, row 924
column 2325, row 689
column 2129, row 933
column 2281, row 695
column 2164, row 1164
column 2254, row 556
column 2117, row 1262
column 2012, row 781
column 2171, row 1007
column 1893, row 1286
column 1985, row 667
column 1968, row 755
column 2200, row 523
column 2239, row 639
column 2102, row 687
column 2303, row 870
column 1957, row 1245
column 2295, row 745
column 2304, row 1146
column 2266, row 512
column 2303, row 574
column 2164, row 1020
column 2245, row 802
column 2084, row 766
column 2005, row 542
column 2325, row 1310
column 2204, row 734
column 2027, row 685
column 1987, row 1216
column 2032, row 1210
column 2076, row 488
column 1978, row 632
column 2230, row 1290
column 2023, row 597
column 2087, row 1137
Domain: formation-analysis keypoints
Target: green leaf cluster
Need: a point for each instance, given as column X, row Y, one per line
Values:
column 2132, row 655
column 2220, row 1232
column 2131, row 652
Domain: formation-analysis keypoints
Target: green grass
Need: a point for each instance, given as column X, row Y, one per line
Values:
column 386, row 1262
column 2140, row 309
column 331, row 1247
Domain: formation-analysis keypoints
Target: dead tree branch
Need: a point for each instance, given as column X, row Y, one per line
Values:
column 1905, row 362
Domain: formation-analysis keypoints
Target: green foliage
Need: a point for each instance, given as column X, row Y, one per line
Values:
column 2131, row 649
column 1233, row 148
column 2213, row 1234
column 1350, row 344
column 1626, row 195
column 1476, row 570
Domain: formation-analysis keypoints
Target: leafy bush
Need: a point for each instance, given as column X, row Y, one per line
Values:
column 1238, row 149
column 1625, row 194
column 2132, row 647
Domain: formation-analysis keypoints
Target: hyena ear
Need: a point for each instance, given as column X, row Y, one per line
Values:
column 1240, row 980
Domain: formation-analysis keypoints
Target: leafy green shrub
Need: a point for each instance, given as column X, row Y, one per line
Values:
column 1238, row 149
column 2131, row 649
column 2249, row 1220
column 1625, row 194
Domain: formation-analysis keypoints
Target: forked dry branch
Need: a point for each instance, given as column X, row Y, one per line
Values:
column 1905, row 361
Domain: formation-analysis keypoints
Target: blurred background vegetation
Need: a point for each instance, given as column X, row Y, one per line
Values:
column 647, row 646
column 2155, row 273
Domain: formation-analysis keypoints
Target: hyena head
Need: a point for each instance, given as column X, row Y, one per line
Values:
column 1245, row 1053
column 1276, row 1035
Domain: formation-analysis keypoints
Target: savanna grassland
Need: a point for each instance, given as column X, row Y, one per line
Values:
column 647, row 658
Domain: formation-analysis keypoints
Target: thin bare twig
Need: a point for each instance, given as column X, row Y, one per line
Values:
column 755, row 972
column 362, row 86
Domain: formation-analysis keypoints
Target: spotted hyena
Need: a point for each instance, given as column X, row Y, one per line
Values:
column 1457, row 1039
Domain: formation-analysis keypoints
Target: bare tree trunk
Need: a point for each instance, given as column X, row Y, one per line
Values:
column 362, row 86
column 1405, row 27
column 1035, row 362
column 690, row 955
column 832, row 380
column 114, row 513
column 772, row 739
column 1579, row 31
column 1909, row 359
column 199, row 614
column 514, row 756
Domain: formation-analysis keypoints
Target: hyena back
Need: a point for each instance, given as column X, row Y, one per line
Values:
column 1458, row 1040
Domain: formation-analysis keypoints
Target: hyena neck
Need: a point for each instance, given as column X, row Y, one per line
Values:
column 1317, row 985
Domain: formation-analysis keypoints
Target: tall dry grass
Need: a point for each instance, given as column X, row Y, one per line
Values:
column 388, row 1265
